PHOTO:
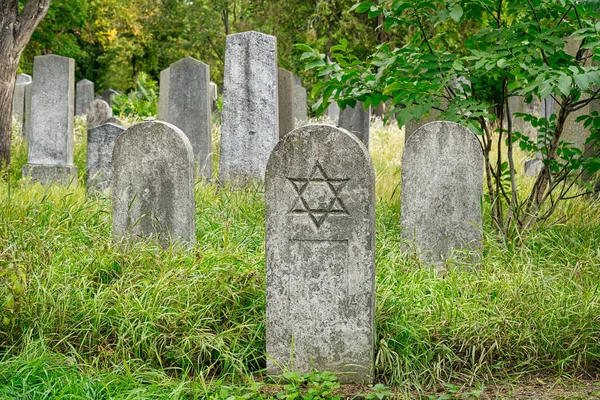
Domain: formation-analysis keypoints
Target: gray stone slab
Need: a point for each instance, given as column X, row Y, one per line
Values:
column 51, row 174
column 412, row 125
column 333, row 113
column 300, row 104
column 98, row 113
column 320, row 243
column 163, row 95
column 190, row 108
column 250, row 115
column 214, row 93
column 27, row 114
column 153, row 184
column 18, row 111
column 100, row 144
column 51, row 136
column 108, row 94
column 356, row 120
column 442, row 189
column 532, row 167
column 84, row 96
column 24, row 78
column 517, row 105
column 285, row 96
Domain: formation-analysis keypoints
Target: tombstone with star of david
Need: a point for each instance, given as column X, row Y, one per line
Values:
column 320, row 242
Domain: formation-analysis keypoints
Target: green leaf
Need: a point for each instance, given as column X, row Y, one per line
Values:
column 362, row 7
column 564, row 84
column 456, row 12
column 314, row 64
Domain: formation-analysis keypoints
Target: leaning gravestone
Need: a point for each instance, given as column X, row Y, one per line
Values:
column 189, row 108
column 50, row 158
column 285, row 95
column 108, row 94
column 98, row 113
column 163, row 95
column 153, row 184
column 356, row 120
column 250, row 119
column 442, row 189
column 100, row 144
column 18, row 110
column 84, row 96
column 320, row 243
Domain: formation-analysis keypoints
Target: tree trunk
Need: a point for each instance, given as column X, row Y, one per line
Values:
column 15, row 31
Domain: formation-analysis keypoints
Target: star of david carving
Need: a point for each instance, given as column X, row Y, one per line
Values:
column 318, row 195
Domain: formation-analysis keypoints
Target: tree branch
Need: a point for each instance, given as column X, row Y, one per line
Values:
column 28, row 20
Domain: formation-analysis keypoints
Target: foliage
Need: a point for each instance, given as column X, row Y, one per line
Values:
column 518, row 48
column 142, row 102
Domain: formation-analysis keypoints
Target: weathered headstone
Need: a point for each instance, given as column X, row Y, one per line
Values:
column 300, row 104
column 24, row 78
column 442, row 189
column 27, row 114
column 98, row 113
column 153, row 184
column 189, row 108
column 18, row 111
column 320, row 243
column 163, row 95
column 333, row 113
column 108, row 94
column 84, row 96
column 100, row 144
column 250, row 118
column 285, row 95
column 356, row 120
column 50, row 158
column 412, row 125
column 214, row 96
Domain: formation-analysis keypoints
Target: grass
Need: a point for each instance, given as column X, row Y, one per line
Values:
column 90, row 320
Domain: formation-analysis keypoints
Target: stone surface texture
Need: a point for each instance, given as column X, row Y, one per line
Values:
column 27, row 114
column 84, row 96
column 24, row 78
column 442, row 189
column 357, row 121
column 18, row 111
column 98, row 113
column 52, row 110
column 250, row 116
column 190, row 108
column 153, row 184
column 333, row 113
column 108, row 94
column 320, row 243
column 300, row 104
column 100, row 144
column 163, row 95
column 285, row 96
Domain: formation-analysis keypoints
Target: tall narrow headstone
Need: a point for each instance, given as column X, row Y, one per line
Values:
column 50, row 158
column 163, row 95
column 320, row 243
column 27, row 114
column 285, row 95
column 189, row 108
column 214, row 96
column 356, row 120
column 153, row 184
column 84, row 96
column 99, row 112
column 333, row 113
column 442, row 189
column 108, row 94
column 250, row 117
column 18, row 111
column 300, row 104
column 100, row 144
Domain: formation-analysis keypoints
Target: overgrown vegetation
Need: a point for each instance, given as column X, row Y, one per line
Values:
column 96, row 321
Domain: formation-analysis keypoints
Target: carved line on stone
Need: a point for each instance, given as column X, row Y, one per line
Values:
column 318, row 215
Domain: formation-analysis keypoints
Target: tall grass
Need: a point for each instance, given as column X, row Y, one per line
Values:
column 97, row 321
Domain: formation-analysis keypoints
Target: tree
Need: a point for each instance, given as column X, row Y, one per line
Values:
column 17, row 23
column 505, row 48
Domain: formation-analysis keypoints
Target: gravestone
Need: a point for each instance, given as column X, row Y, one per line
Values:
column 84, row 96
column 214, row 96
column 153, row 184
column 189, row 108
column 442, row 189
column 356, row 120
column 98, row 113
column 163, row 95
column 24, row 78
column 300, row 103
column 108, row 94
column 50, row 157
column 18, row 111
column 320, row 243
column 250, row 118
column 412, row 125
column 285, row 95
column 333, row 113
column 100, row 144
column 27, row 114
